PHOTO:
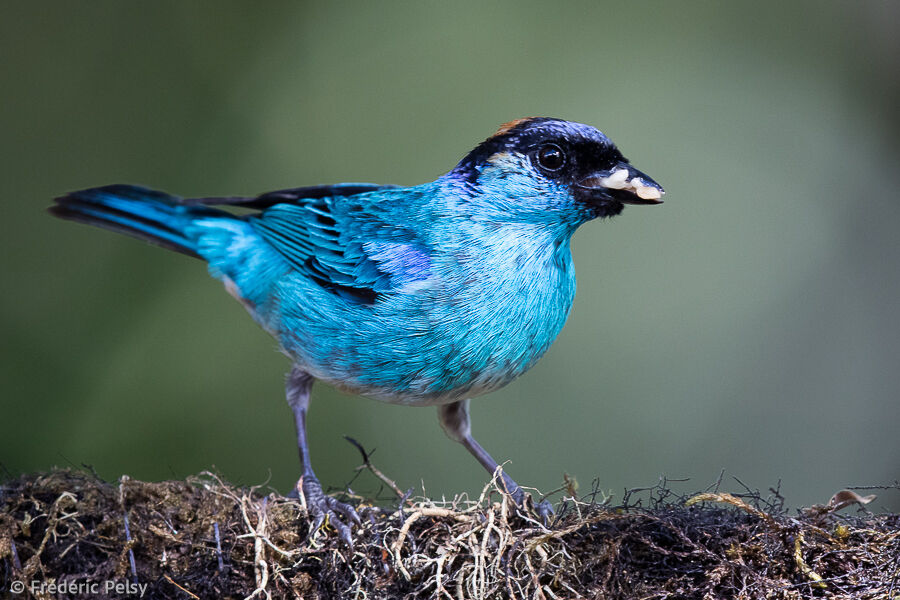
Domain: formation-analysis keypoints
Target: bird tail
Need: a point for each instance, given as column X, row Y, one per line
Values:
column 146, row 214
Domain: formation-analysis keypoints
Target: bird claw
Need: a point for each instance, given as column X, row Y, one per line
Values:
column 545, row 511
column 322, row 508
column 542, row 509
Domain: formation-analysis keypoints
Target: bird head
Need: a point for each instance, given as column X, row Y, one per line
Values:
column 543, row 169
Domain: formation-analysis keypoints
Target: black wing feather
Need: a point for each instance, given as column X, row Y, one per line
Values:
column 292, row 195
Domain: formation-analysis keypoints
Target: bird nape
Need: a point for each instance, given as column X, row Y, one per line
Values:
column 423, row 295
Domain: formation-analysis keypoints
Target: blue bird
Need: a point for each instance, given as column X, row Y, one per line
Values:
column 423, row 295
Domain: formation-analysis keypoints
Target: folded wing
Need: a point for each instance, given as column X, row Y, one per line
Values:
column 338, row 239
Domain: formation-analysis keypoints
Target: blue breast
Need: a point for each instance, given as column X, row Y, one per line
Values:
column 492, row 304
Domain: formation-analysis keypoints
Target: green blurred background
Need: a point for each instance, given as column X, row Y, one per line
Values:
column 749, row 324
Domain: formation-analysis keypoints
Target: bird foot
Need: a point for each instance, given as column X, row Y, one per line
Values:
column 542, row 509
column 545, row 511
column 322, row 507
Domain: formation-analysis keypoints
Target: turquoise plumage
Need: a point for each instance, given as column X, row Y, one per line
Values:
column 424, row 295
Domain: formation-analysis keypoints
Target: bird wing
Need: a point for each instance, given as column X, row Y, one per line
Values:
column 344, row 244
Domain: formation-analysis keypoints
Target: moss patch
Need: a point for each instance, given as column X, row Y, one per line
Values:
column 203, row 538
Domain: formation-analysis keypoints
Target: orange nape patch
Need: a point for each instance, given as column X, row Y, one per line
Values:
column 507, row 126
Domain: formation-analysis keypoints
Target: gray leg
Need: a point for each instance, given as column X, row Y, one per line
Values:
column 454, row 419
column 320, row 506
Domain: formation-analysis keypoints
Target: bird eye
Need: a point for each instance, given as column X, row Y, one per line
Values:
column 551, row 157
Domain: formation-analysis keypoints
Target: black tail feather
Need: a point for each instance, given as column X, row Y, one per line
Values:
column 135, row 211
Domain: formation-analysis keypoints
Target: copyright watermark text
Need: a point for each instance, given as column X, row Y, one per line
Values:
column 94, row 588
